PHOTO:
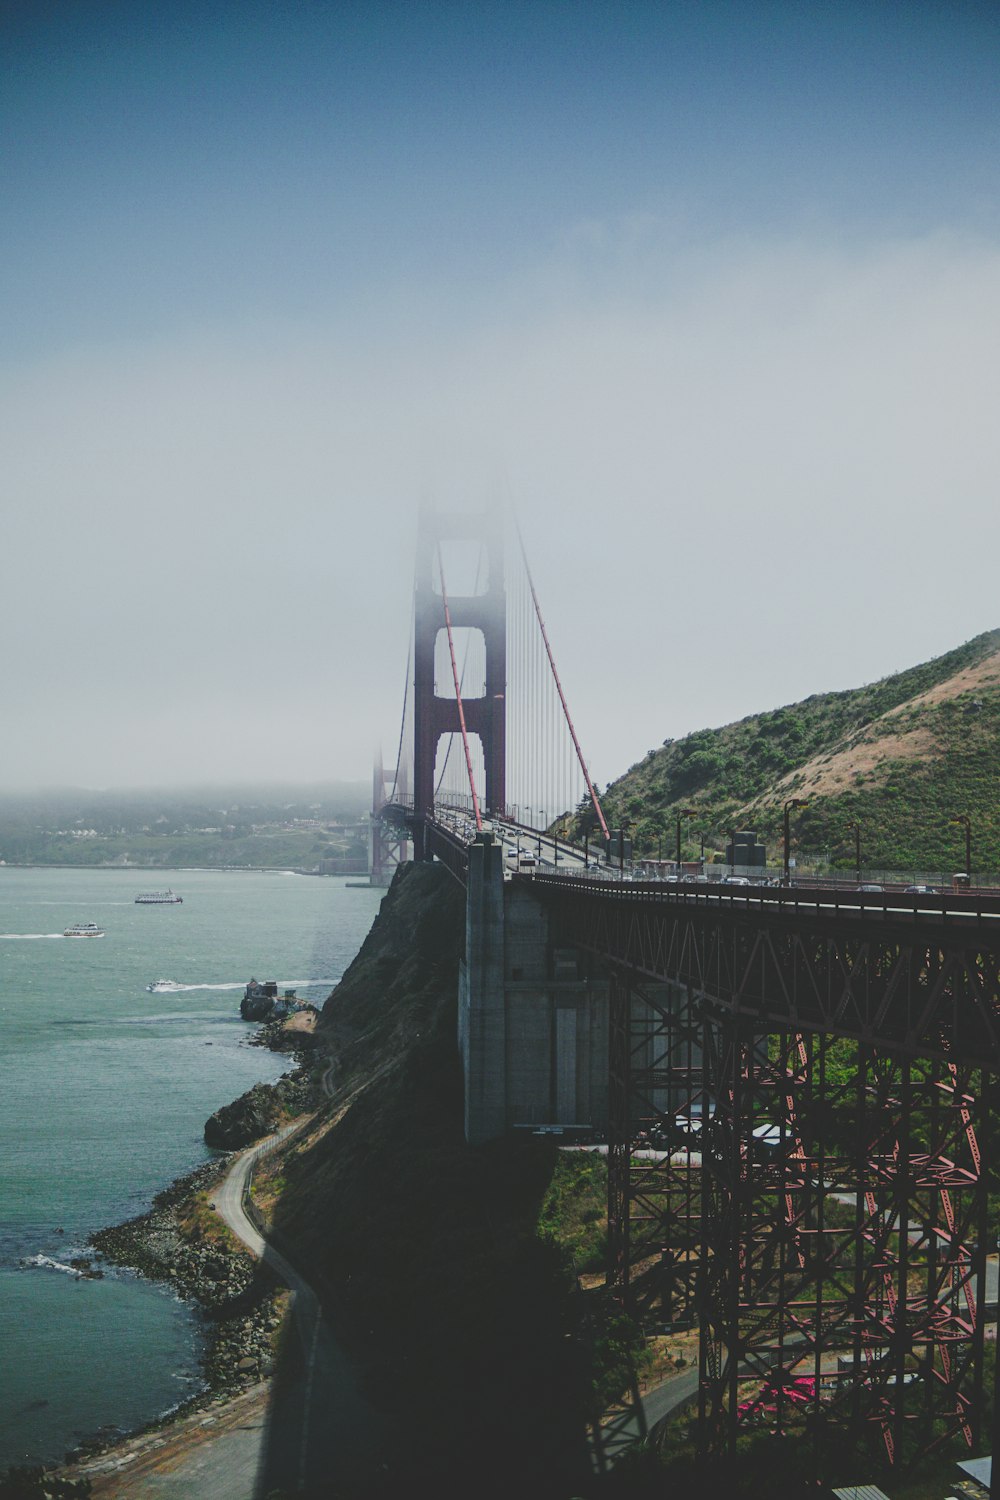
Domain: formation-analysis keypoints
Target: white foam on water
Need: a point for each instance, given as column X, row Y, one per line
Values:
column 171, row 986
column 28, row 937
column 46, row 1262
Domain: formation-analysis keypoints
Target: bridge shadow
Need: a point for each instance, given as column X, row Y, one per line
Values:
column 490, row 1401
column 322, row 1438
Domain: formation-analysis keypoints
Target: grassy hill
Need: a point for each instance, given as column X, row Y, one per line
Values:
column 899, row 757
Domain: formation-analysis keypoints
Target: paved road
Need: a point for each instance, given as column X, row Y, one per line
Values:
column 305, row 1430
column 317, row 1420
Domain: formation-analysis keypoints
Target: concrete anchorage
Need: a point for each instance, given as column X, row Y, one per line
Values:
column 533, row 1018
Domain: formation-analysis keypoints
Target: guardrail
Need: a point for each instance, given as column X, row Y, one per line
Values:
column 769, row 900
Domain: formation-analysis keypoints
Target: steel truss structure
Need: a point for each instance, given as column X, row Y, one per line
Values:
column 794, row 1160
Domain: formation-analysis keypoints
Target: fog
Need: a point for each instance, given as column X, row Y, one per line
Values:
column 752, row 459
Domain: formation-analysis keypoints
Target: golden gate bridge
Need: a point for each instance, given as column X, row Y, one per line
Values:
column 794, row 1082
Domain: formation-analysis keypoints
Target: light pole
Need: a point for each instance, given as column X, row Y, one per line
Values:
column 684, row 812
column 966, row 822
column 857, row 846
column 541, row 825
column 792, row 802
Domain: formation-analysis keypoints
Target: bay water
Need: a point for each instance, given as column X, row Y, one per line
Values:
column 104, row 1092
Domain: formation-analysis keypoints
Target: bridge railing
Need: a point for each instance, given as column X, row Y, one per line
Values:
column 951, row 907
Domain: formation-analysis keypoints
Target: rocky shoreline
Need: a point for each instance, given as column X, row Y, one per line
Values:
column 237, row 1296
column 181, row 1242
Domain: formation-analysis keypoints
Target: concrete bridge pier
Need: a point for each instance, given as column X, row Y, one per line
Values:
column 532, row 1016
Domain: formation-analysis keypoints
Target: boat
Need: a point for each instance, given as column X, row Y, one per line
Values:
column 161, row 987
column 84, row 929
column 158, row 898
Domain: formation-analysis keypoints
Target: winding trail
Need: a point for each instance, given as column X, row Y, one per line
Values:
column 300, row 1432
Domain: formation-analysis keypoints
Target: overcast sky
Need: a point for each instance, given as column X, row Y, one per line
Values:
column 710, row 290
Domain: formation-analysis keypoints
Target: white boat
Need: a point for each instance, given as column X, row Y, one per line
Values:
column 161, row 987
column 84, row 929
column 158, row 898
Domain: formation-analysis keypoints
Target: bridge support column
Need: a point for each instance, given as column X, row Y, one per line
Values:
column 658, row 1107
column 843, row 1283
column 482, row 1002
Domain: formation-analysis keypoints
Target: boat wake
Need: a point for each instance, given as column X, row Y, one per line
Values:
column 27, row 937
column 171, row 987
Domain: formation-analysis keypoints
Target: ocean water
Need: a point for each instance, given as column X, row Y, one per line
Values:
column 104, row 1092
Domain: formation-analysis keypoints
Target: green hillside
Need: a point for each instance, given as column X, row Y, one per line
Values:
column 900, row 757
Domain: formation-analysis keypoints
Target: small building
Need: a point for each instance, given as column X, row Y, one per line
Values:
column 978, row 1473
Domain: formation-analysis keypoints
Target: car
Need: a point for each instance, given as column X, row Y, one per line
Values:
column 870, row 887
column 921, row 890
column 735, row 880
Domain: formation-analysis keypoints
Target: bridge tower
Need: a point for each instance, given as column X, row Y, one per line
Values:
column 387, row 847
column 434, row 716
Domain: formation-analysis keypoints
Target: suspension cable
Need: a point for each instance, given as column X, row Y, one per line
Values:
column 458, row 694
column 595, row 800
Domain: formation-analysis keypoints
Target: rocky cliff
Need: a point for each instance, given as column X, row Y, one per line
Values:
column 460, row 1312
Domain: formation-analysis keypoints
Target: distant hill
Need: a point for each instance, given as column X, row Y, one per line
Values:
column 900, row 757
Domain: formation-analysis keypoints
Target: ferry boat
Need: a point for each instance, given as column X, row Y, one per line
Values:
column 84, row 929
column 158, row 898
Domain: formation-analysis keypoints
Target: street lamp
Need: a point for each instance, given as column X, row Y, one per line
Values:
column 966, row 822
column 792, row 802
column 857, row 846
column 683, row 812
column 541, row 825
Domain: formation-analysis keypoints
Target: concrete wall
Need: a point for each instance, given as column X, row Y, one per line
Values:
column 532, row 1020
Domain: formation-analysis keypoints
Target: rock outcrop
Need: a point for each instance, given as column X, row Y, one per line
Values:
column 261, row 1110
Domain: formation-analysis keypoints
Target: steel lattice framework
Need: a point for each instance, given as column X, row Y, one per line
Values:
column 821, row 1214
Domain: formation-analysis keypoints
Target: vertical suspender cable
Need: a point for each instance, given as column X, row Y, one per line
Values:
column 595, row 801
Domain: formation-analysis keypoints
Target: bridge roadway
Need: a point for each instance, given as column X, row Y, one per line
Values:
column 910, row 972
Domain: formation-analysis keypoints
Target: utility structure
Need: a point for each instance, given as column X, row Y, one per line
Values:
column 435, row 715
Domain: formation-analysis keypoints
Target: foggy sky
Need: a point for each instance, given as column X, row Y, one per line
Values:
column 714, row 299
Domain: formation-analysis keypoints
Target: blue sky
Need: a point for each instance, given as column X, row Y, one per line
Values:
column 712, row 290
